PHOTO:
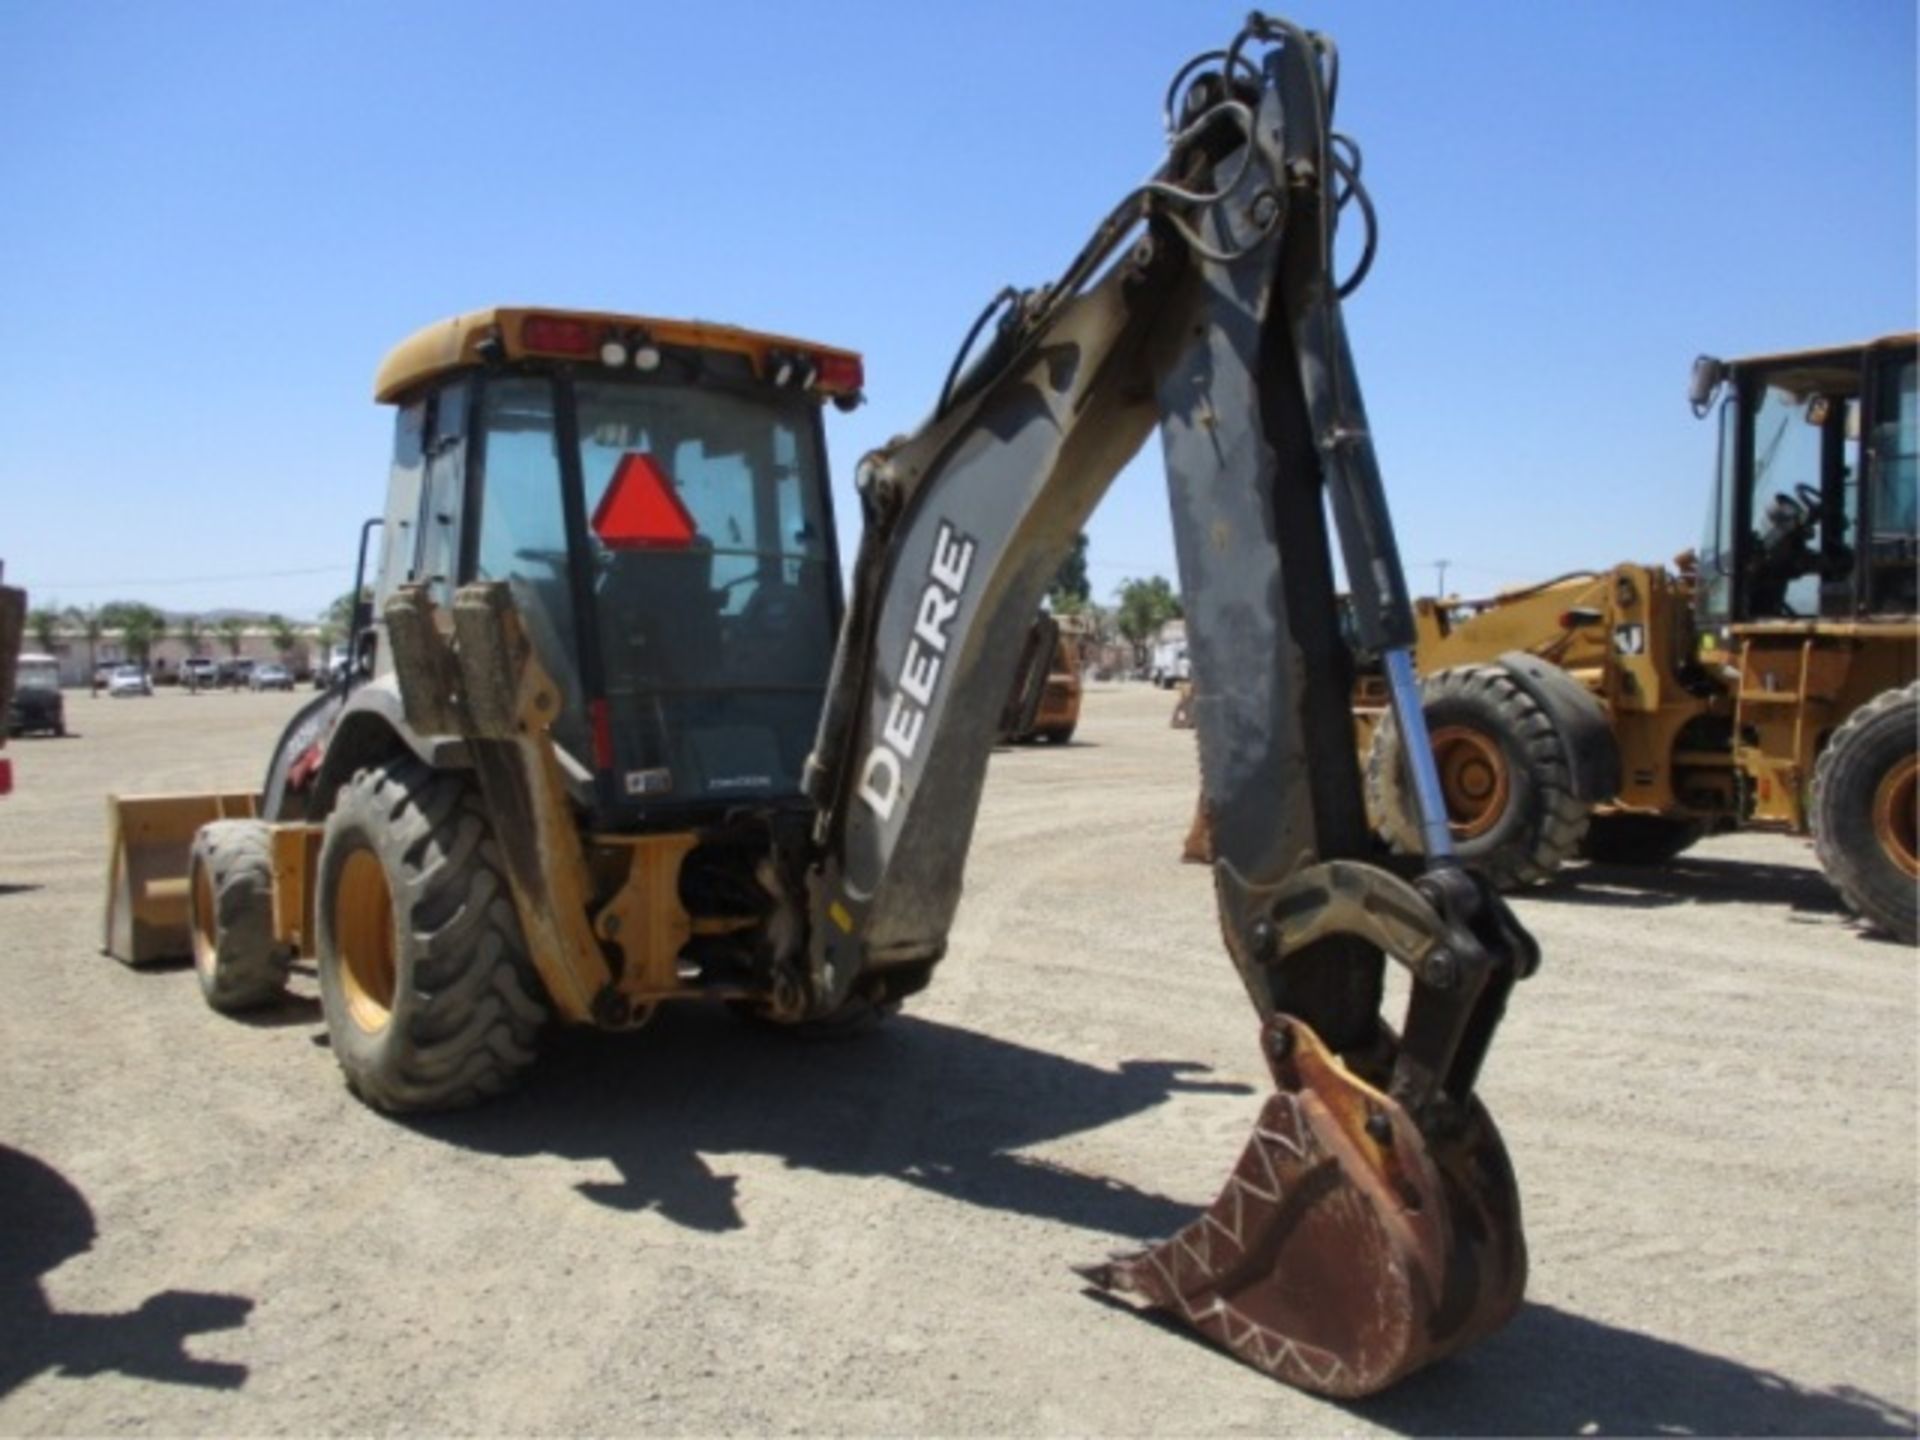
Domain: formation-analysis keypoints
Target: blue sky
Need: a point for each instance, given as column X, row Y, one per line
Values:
column 218, row 216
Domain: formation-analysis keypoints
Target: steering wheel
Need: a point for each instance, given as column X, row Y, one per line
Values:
column 1803, row 504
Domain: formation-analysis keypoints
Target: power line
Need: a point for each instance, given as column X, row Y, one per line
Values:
column 191, row 579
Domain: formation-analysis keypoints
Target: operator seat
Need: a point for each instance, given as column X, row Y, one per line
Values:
column 659, row 617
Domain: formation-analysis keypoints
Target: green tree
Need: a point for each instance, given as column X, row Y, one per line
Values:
column 91, row 626
column 232, row 630
column 1145, row 605
column 1070, row 591
column 45, row 625
column 192, row 634
column 340, row 612
column 283, row 637
column 141, row 627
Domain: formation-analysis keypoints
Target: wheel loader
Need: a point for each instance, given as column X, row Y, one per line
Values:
column 612, row 738
column 1768, row 681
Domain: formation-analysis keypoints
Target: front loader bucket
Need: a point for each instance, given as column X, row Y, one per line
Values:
column 1347, row 1250
column 149, row 838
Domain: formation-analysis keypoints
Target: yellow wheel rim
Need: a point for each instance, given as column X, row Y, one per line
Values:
column 1473, row 779
column 205, row 938
column 363, row 939
column 1896, row 816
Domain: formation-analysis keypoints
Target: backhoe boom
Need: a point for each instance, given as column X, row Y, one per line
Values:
column 1220, row 324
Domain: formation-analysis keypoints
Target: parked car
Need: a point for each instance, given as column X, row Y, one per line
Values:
column 200, row 672
column 37, row 704
column 129, row 680
column 270, row 677
column 331, row 669
column 234, row 672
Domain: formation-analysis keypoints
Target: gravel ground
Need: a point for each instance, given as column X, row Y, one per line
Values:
column 1709, row 1092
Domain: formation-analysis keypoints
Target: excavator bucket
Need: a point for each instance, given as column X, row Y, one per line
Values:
column 150, row 838
column 1347, row 1249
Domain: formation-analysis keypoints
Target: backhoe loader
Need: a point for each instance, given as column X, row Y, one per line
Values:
column 1045, row 703
column 599, row 748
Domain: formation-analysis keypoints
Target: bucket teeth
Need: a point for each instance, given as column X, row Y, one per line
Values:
column 1336, row 1261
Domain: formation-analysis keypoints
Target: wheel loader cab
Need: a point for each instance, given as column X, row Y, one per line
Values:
column 655, row 497
column 1813, row 509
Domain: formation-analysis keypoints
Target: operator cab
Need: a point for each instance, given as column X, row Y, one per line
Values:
column 654, row 493
column 1813, row 512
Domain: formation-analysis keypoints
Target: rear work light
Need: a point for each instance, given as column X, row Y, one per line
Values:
column 559, row 334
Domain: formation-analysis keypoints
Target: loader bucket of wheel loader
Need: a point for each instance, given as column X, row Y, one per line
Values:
column 1347, row 1249
column 149, row 839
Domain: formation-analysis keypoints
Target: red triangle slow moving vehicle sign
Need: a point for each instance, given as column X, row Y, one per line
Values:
column 640, row 510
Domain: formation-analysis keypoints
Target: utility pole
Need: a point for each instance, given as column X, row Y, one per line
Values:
column 1440, row 585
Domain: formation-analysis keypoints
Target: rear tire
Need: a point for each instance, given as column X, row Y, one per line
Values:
column 430, row 997
column 1863, row 815
column 1628, row 839
column 1506, row 772
column 230, row 916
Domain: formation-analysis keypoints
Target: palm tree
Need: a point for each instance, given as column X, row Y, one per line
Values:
column 192, row 635
column 141, row 626
column 283, row 637
column 92, row 626
column 232, row 630
column 45, row 625
column 1145, row 605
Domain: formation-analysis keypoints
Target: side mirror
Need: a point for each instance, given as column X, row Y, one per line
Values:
column 1709, row 374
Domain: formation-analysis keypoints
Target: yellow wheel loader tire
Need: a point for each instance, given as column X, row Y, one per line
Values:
column 431, row 1000
column 1505, row 772
column 1863, row 812
column 1628, row 839
column 230, row 916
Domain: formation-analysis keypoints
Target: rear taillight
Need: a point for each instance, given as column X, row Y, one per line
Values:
column 558, row 334
column 601, row 719
column 843, row 373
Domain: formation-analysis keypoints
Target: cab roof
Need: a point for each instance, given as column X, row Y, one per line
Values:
column 1834, row 369
column 578, row 335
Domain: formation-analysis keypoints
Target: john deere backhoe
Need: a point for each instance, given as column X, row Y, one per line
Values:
column 1766, row 682
column 601, row 749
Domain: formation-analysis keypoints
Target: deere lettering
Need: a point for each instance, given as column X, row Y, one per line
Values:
column 919, row 675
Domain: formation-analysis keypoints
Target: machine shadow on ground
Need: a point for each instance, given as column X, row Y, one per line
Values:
column 929, row 1104
column 1699, row 880
column 1552, row 1373
column 44, row 1222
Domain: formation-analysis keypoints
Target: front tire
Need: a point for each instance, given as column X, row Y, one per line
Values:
column 1505, row 772
column 1863, row 812
column 431, row 999
column 230, row 916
